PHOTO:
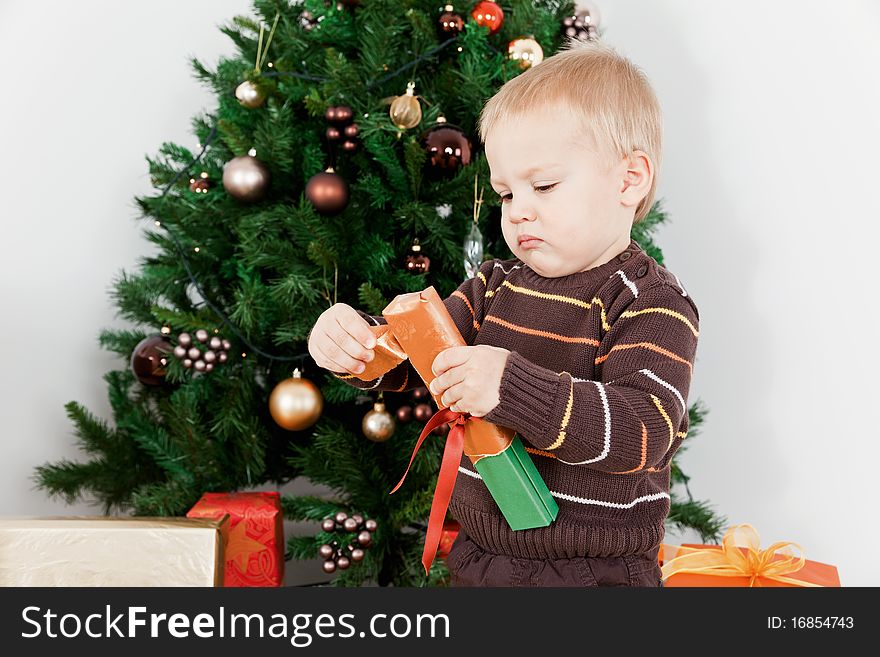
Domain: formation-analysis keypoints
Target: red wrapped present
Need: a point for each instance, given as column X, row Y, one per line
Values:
column 739, row 561
column 447, row 538
column 255, row 540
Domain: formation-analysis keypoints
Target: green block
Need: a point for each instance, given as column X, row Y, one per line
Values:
column 517, row 488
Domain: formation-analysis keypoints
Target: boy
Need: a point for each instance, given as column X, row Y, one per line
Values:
column 583, row 343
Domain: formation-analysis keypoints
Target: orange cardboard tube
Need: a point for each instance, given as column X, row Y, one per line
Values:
column 387, row 354
column 424, row 328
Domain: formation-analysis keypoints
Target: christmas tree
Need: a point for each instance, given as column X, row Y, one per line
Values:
column 339, row 166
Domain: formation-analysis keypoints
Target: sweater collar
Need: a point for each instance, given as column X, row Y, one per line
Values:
column 591, row 278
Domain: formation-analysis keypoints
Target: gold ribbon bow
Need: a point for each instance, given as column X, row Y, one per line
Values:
column 732, row 561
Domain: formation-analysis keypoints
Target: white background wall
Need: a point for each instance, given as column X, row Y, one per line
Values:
column 771, row 139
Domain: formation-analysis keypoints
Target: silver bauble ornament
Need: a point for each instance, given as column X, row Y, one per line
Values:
column 245, row 178
column 249, row 95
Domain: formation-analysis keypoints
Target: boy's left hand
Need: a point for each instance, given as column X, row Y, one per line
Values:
column 469, row 378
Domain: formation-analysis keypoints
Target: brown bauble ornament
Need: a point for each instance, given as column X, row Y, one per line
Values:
column 341, row 115
column 150, row 358
column 328, row 525
column 420, row 393
column 405, row 110
column 351, row 131
column 365, row 538
column 404, row 414
column 357, row 554
column 350, row 524
column 349, row 146
column 326, row 551
column 370, row 525
column 417, row 262
column 448, row 148
column 344, row 114
column 488, row 14
column 526, row 52
column 200, row 185
column 296, row 403
column 589, row 11
column 343, row 563
column 250, row 95
column 307, row 21
column 423, row 412
column 328, row 192
column 245, row 178
column 450, row 23
column 378, row 425
column 329, row 567
column 583, row 25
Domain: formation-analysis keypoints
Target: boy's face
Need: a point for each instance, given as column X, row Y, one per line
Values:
column 556, row 189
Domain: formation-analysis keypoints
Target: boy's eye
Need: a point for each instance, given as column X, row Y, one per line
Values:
column 541, row 188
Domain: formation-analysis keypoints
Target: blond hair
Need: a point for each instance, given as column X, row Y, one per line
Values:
column 619, row 109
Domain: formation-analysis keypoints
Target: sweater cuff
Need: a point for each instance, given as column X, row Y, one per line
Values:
column 526, row 398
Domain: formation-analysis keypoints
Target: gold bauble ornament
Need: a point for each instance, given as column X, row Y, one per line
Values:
column 378, row 425
column 296, row 403
column 525, row 51
column 405, row 110
column 249, row 94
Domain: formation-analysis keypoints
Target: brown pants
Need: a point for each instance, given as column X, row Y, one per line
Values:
column 470, row 565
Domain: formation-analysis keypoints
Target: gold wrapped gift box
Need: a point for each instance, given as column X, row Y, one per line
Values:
column 108, row 551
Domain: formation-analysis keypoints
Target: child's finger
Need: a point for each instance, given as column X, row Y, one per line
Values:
column 358, row 328
column 340, row 359
column 328, row 363
column 449, row 378
column 452, row 396
column 349, row 345
column 450, row 358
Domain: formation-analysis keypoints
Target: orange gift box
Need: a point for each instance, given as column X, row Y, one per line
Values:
column 739, row 562
column 255, row 537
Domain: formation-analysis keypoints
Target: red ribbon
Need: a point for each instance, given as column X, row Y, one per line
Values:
column 445, row 480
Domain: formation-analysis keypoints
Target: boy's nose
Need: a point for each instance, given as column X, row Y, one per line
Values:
column 521, row 213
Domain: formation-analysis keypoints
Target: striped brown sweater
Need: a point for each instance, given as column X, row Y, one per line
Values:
column 596, row 385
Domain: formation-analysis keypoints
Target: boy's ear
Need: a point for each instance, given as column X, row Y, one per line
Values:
column 638, row 173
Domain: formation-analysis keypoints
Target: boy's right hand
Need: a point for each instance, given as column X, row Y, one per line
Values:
column 341, row 340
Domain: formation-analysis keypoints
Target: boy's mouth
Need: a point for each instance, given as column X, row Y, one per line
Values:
column 529, row 241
